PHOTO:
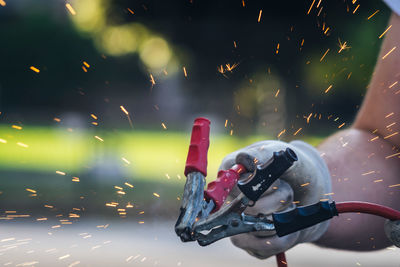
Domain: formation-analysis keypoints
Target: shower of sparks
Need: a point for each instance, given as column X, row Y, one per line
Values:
column 99, row 138
column 327, row 89
column 309, row 10
column 373, row 14
column 126, row 161
column 184, row 71
column 127, row 114
column 259, row 16
column 388, row 53
column 70, row 9
column 388, row 28
column 155, row 194
column 34, row 69
column 343, row 46
column 322, row 58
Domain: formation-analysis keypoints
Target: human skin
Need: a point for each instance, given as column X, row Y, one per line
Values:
column 360, row 159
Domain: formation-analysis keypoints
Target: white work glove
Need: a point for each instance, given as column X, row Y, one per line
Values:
column 306, row 182
column 392, row 231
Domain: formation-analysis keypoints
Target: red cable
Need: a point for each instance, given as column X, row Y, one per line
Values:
column 354, row 206
column 281, row 259
column 370, row 208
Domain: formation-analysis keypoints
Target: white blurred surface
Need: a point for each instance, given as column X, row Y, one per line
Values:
column 131, row 244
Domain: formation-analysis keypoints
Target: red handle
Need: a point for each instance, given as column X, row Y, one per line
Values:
column 197, row 156
column 219, row 189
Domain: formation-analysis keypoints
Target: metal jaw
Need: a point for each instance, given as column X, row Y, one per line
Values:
column 193, row 207
column 229, row 221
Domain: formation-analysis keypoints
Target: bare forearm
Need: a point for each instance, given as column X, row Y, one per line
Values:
column 360, row 171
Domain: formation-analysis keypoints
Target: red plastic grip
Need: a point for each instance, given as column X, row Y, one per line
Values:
column 197, row 156
column 219, row 189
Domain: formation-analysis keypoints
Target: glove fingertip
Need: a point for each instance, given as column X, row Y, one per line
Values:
column 248, row 161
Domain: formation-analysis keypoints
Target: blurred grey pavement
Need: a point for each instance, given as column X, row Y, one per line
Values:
column 105, row 242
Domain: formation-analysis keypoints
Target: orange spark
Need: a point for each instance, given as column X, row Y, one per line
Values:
column 327, row 89
column 388, row 53
column 305, row 184
column 93, row 116
column 153, row 82
column 164, row 126
column 259, row 16
column 322, row 58
column 155, row 194
column 16, row 127
column 70, row 9
column 2, row 3
column 86, row 64
column 393, row 84
column 390, row 135
column 277, row 93
column 388, row 28
column 311, row 7
column 277, row 49
column 297, row 131
column 393, row 155
column 31, row 190
column 60, row 173
column 356, row 9
column 390, row 114
column 75, row 179
column 131, row 11
column 282, row 132
column 22, row 144
column 373, row 14
column 343, row 46
column 99, row 138
column 126, row 161
column 394, row 185
column 128, row 184
column 34, row 69
column 341, row 125
column 373, row 139
column 184, row 71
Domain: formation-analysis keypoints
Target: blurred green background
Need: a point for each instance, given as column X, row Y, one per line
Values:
column 258, row 69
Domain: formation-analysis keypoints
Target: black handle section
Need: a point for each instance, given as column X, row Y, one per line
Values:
column 302, row 217
column 264, row 177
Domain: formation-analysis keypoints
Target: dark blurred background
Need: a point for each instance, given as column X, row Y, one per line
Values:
column 97, row 97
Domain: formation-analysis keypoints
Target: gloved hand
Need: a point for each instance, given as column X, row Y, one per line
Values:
column 306, row 182
column 392, row 231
